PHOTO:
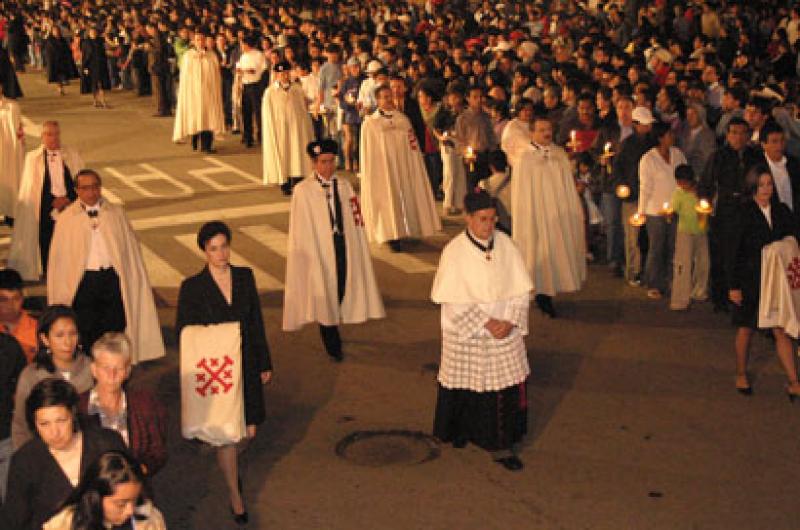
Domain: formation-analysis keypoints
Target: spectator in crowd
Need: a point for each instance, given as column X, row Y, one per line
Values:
column 14, row 319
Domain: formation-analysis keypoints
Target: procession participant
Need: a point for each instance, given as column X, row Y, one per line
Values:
column 12, row 362
column 98, row 269
column 474, row 130
column 484, row 290
column 222, row 292
column 286, row 129
column 329, row 275
column 517, row 134
column 199, row 109
column 46, row 189
column 12, row 154
column 13, row 319
column 547, row 218
column 251, row 66
column 398, row 202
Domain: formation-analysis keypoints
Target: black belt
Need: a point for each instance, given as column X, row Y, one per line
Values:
column 102, row 270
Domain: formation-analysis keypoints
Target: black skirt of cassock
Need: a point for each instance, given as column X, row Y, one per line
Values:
column 490, row 420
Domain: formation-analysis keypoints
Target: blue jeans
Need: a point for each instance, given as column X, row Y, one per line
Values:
column 611, row 207
column 658, row 269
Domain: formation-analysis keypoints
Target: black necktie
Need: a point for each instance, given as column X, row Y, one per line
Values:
column 92, row 213
column 336, row 214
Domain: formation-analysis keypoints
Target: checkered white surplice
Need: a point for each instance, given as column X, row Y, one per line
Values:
column 474, row 360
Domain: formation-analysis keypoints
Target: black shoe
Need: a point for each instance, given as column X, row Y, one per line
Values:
column 545, row 305
column 249, row 144
column 210, row 151
column 236, row 131
column 396, row 245
column 240, row 518
column 459, row 443
column 8, row 221
column 336, row 356
column 511, row 463
column 286, row 188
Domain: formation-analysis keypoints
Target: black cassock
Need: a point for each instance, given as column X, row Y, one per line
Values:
column 201, row 302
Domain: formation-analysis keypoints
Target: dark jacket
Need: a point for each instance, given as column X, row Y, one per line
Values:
column 201, row 302
column 147, row 427
column 625, row 168
column 58, row 57
column 793, row 168
column 95, row 65
column 411, row 110
column 724, row 175
column 37, row 487
column 751, row 234
column 12, row 361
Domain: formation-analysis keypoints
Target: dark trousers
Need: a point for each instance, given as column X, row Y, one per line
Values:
column 720, row 233
column 251, row 105
column 98, row 304
column 161, row 93
column 319, row 127
column 227, row 100
column 46, row 227
column 330, row 334
column 205, row 139
column 478, row 171
column 433, row 163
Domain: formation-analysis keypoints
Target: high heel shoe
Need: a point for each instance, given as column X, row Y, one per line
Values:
column 791, row 395
column 545, row 305
column 244, row 517
column 743, row 386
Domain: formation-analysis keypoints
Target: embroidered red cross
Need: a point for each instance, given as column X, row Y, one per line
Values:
column 358, row 219
column 412, row 139
column 793, row 273
column 214, row 379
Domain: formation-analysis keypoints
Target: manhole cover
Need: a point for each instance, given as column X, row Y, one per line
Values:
column 387, row 448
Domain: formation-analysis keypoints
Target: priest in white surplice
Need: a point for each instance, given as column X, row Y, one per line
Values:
column 198, row 112
column 12, row 153
column 484, row 290
column 398, row 202
column 46, row 188
column 517, row 134
column 96, row 267
column 329, row 276
column 287, row 130
column 547, row 218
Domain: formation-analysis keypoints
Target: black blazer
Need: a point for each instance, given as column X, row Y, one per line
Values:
column 751, row 234
column 201, row 302
column 37, row 487
column 793, row 169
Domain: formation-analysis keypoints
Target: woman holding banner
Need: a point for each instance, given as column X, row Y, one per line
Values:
column 219, row 303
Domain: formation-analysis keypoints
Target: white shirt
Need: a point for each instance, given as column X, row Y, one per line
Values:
column 310, row 84
column 767, row 211
column 55, row 164
column 657, row 179
column 624, row 131
column 783, row 185
column 329, row 196
column 99, row 257
column 251, row 60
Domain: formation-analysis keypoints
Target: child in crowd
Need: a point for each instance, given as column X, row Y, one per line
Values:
column 498, row 185
column 691, row 262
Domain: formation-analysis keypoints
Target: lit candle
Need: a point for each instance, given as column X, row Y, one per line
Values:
column 637, row 219
column 623, row 191
column 607, row 148
column 470, row 152
column 703, row 207
column 470, row 157
column 573, row 136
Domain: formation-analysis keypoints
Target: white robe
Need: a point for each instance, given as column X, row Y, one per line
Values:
column 779, row 302
column 69, row 253
column 454, row 177
column 311, row 290
column 515, row 140
column 397, row 197
column 24, row 255
column 199, row 106
column 547, row 220
column 287, row 131
column 12, row 154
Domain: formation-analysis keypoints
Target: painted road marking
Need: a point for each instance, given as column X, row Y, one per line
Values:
column 222, row 167
column 152, row 174
column 270, row 237
column 161, row 273
column 264, row 280
column 196, row 218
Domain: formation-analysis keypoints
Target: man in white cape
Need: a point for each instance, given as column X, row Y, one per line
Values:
column 547, row 218
column 46, row 188
column 287, row 130
column 329, row 275
column 96, row 267
column 12, row 153
column 398, row 202
column 198, row 112
column 484, row 290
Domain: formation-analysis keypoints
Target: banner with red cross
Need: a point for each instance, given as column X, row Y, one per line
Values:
column 212, row 402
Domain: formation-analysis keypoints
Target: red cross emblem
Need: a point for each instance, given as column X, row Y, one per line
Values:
column 214, row 379
column 412, row 139
column 793, row 273
column 358, row 219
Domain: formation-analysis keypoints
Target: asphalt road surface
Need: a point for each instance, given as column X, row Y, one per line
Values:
column 634, row 421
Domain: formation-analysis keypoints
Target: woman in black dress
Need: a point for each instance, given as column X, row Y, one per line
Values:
column 95, row 68
column 60, row 65
column 220, row 293
column 762, row 220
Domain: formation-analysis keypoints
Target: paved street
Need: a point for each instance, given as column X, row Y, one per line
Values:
column 634, row 422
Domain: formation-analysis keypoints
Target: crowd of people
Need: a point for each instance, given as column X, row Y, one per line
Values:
column 659, row 138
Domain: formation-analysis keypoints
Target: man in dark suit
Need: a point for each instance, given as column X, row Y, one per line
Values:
column 158, row 66
column 408, row 106
column 784, row 167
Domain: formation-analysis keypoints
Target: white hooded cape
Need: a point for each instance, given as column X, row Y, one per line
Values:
column 311, row 290
column 287, row 131
column 199, row 106
column 12, row 154
column 68, row 257
column 515, row 140
column 779, row 303
column 547, row 220
column 398, row 201
column 24, row 255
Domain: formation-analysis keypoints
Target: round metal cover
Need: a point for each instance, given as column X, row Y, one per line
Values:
column 387, row 448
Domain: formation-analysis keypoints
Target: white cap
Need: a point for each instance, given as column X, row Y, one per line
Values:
column 373, row 66
column 643, row 115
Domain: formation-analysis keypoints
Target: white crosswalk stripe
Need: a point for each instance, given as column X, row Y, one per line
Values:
column 270, row 237
column 161, row 273
column 264, row 280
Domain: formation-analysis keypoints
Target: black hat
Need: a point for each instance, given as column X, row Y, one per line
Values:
column 321, row 147
column 477, row 200
column 10, row 279
column 283, row 66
